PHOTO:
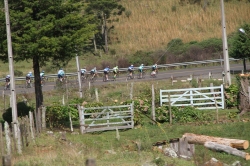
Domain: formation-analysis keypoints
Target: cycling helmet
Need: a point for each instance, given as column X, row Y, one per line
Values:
column 142, row 64
column 132, row 65
column 30, row 72
column 42, row 71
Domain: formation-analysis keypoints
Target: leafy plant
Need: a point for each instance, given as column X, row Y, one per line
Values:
column 231, row 95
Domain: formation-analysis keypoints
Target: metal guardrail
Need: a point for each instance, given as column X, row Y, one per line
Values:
column 145, row 67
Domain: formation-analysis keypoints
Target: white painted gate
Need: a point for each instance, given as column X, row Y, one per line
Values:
column 201, row 98
column 106, row 118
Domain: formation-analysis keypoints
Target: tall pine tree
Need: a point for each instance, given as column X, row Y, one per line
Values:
column 46, row 31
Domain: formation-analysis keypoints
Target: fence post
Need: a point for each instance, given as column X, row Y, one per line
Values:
column 249, row 94
column 31, row 126
column 27, row 129
column 96, row 95
column 81, row 119
column 63, row 101
column 153, row 102
column 215, row 103
column 169, row 107
column 7, row 138
column 6, row 160
column 43, row 118
column 1, row 139
column 70, row 121
column 131, row 91
column 132, row 113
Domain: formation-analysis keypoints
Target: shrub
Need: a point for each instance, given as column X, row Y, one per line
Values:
column 181, row 114
column 128, row 13
column 22, row 110
column 231, row 96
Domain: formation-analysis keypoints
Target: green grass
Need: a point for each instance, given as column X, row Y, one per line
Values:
column 50, row 150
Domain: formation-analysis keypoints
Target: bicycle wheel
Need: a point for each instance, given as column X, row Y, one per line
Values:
column 104, row 78
column 92, row 79
column 143, row 74
column 43, row 81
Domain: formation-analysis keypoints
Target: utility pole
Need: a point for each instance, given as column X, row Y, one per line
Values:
column 79, row 76
column 12, row 79
column 225, row 46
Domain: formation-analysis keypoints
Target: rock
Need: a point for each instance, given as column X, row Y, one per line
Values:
column 236, row 163
column 213, row 162
column 170, row 152
column 50, row 132
column 110, row 152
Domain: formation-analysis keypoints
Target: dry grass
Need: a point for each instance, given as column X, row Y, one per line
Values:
column 153, row 24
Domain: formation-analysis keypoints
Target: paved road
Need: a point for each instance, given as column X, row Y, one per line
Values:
column 201, row 72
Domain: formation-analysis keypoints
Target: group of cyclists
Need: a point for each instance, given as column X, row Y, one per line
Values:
column 93, row 73
column 115, row 70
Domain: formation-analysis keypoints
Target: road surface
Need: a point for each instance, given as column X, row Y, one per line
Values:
column 201, row 72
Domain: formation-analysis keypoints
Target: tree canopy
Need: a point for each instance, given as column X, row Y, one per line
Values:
column 46, row 31
column 240, row 46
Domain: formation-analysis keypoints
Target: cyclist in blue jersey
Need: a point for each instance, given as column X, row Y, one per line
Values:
column 60, row 74
column 106, row 71
column 131, row 70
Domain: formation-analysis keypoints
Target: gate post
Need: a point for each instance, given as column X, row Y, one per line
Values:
column 81, row 119
column 132, row 113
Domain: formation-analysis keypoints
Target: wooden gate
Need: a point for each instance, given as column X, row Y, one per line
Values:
column 106, row 118
column 201, row 98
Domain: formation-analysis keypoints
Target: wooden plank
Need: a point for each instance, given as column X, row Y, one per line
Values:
column 188, row 89
column 107, row 107
column 110, row 123
column 107, row 118
column 108, row 128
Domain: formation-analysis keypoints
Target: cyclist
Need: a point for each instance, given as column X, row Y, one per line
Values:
column 93, row 72
column 115, row 71
column 140, row 69
column 28, row 77
column 154, row 69
column 42, row 77
column 60, row 74
column 106, row 71
column 131, row 70
column 83, row 71
column 7, row 82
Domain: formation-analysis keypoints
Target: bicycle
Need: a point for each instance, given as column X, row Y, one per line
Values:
column 141, row 75
column 130, row 77
column 83, row 78
column 105, row 77
column 153, row 74
column 60, row 82
column 28, row 83
column 116, row 75
column 93, row 78
column 7, row 86
column 43, row 80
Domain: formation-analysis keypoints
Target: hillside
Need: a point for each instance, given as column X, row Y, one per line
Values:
column 153, row 23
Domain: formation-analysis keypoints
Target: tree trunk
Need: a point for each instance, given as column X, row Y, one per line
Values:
column 38, row 89
column 201, row 139
column 37, row 82
column 228, row 149
column 244, row 65
column 106, row 34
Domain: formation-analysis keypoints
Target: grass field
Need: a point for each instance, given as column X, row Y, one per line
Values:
column 108, row 151
column 152, row 24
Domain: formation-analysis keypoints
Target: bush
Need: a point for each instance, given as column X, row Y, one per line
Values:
column 231, row 96
column 22, row 110
column 181, row 114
